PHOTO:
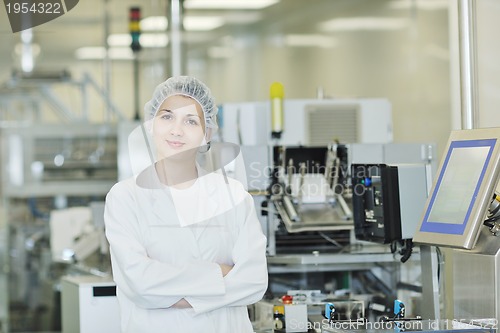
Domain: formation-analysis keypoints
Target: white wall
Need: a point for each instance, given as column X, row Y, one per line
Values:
column 410, row 67
column 488, row 54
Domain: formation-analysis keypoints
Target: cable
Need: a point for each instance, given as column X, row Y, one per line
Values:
column 489, row 224
column 334, row 242
column 492, row 219
column 439, row 255
column 393, row 246
column 407, row 250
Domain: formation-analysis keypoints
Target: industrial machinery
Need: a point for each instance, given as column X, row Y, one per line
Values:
column 57, row 165
column 308, row 122
column 461, row 213
column 54, row 180
column 388, row 201
column 311, row 189
column 310, row 222
column 34, row 98
column 306, row 167
column 306, row 310
column 89, row 304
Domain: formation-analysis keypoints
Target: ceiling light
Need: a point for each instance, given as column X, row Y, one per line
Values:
column 119, row 40
column 202, row 23
column 99, row 52
column 220, row 52
column 310, row 40
column 121, row 53
column 420, row 4
column 146, row 40
column 27, row 35
column 242, row 17
column 154, row 40
column 364, row 23
column 196, row 23
column 228, row 4
column 90, row 52
column 19, row 48
column 154, row 23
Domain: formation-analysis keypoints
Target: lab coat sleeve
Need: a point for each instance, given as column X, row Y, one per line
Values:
column 247, row 282
column 147, row 282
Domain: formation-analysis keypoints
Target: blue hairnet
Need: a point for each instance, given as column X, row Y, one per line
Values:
column 186, row 86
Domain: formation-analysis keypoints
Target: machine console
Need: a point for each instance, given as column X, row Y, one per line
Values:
column 463, row 190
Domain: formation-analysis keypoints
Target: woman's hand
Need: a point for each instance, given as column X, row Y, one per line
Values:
column 182, row 304
column 225, row 269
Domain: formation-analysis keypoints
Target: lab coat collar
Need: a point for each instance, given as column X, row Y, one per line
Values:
column 163, row 206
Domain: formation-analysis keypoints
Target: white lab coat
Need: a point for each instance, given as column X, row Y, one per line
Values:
column 156, row 261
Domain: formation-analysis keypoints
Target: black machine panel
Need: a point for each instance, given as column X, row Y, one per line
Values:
column 376, row 208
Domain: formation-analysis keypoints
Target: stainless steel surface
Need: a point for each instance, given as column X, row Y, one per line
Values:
column 106, row 62
column 272, row 225
column 249, row 123
column 321, row 213
column 175, row 25
column 394, row 153
column 412, row 153
column 32, row 99
column 476, row 279
column 49, row 160
column 58, row 188
column 430, row 284
column 319, row 262
column 468, row 65
column 413, row 192
column 315, row 217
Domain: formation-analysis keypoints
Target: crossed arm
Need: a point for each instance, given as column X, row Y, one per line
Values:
column 153, row 284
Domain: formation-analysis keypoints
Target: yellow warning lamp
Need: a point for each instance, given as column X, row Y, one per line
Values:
column 277, row 94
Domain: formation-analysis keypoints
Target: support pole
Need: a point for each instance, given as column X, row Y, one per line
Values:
column 468, row 63
column 106, row 62
column 430, row 284
column 137, row 114
column 175, row 23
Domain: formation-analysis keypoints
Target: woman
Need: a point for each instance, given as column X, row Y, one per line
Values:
column 187, row 249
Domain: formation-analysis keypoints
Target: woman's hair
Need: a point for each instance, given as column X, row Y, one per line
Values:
column 186, row 86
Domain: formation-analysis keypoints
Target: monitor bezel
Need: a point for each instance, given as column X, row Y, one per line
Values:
column 463, row 235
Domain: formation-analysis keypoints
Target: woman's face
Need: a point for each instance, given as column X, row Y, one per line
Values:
column 178, row 127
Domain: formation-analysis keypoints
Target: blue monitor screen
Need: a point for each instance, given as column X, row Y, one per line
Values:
column 457, row 186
